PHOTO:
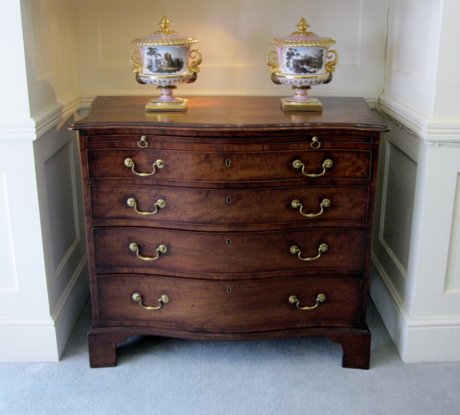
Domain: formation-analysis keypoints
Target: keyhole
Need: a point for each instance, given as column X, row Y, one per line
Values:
column 228, row 200
column 143, row 142
column 229, row 289
column 228, row 163
column 229, row 242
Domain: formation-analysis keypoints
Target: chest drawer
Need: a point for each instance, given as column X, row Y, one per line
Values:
column 311, row 139
column 178, row 252
column 228, row 306
column 304, row 205
column 172, row 165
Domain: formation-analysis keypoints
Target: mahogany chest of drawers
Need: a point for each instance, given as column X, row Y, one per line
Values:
column 230, row 221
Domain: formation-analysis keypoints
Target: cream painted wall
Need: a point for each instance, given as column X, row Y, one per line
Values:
column 448, row 79
column 416, row 246
column 234, row 38
column 49, row 32
column 43, row 279
column 15, row 109
column 412, row 56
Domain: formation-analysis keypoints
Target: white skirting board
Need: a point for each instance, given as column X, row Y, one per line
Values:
column 45, row 340
column 417, row 340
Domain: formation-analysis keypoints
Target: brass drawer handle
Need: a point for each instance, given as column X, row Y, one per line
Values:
column 159, row 204
column 325, row 203
column 327, row 164
column 295, row 250
column 134, row 247
column 129, row 162
column 320, row 298
column 137, row 298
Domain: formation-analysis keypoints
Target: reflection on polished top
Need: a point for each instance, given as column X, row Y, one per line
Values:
column 237, row 112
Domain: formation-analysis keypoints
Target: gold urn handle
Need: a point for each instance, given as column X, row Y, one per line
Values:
column 159, row 204
column 327, row 164
column 295, row 250
column 320, row 298
column 195, row 61
column 272, row 61
column 134, row 61
column 134, row 247
column 325, row 203
column 129, row 162
column 137, row 298
column 330, row 66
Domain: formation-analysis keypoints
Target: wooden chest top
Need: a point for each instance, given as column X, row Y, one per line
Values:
column 228, row 112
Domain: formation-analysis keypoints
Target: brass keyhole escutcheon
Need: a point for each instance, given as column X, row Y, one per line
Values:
column 229, row 242
column 228, row 163
column 228, row 200
column 315, row 143
column 229, row 289
column 143, row 142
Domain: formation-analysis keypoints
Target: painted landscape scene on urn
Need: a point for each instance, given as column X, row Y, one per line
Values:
column 303, row 60
column 163, row 59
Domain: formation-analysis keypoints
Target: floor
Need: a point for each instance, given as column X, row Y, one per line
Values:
column 289, row 376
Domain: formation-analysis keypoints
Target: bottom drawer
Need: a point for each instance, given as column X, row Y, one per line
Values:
column 232, row 306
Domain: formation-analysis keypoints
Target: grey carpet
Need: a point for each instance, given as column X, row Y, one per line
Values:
column 289, row 376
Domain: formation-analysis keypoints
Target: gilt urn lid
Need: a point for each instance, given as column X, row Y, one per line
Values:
column 164, row 37
column 303, row 37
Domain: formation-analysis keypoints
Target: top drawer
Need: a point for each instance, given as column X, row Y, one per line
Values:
column 155, row 166
column 290, row 140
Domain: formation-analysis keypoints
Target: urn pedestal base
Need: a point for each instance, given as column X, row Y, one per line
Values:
column 166, row 101
column 301, row 101
column 292, row 104
column 157, row 105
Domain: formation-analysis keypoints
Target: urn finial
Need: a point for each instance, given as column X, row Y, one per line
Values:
column 165, row 26
column 302, row 27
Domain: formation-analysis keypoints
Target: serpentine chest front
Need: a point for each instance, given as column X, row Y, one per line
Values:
column 231, row 221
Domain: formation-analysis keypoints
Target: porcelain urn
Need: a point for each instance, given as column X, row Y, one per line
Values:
column 165, row 59
column 302, row 60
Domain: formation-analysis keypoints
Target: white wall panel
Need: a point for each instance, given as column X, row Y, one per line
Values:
column 61, row 211
column 438, row 237
column 452, row 285
column 396, row 221
column 395, row 207
column 419, row 300
column 29, row 299
column 59, row 194
column 8, row 274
